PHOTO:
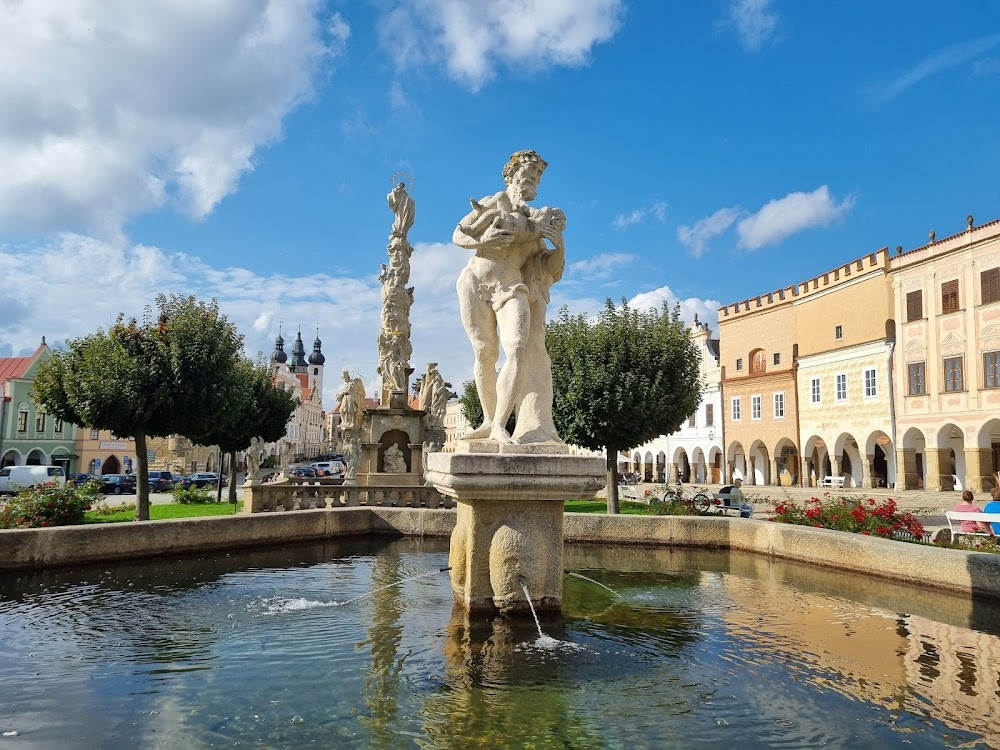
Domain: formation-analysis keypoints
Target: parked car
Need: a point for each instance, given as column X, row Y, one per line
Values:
column 161, row 481
column 331, row 468
column 118, row 484
column 203, row 479
column 302, row 471
column 79, row 479
column 15, row 478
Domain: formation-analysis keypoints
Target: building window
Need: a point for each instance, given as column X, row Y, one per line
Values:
column 915, row 371
column 94, row 434
column 692, row 420
column 737, row 409
column 777, row 358
column 779, row 405
column 40, row 421
column 814, row 390
column 914, row 305
column 949, row 296
column 58, row 426
column 838, row 332
column 755, row 407
column 22, row 420
column 841, row 386
column 739, row 363
column 991, row 370
column 871, row 384
column 990, row 283
column 953, row 374
column 709, row 415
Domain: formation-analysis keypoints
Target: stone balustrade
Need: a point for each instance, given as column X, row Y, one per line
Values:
column 306, row 494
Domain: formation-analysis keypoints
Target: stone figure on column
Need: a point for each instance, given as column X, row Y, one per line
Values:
column 351, row 397
column 352, row 454
column 255, row 456
column 503, row 293
column 394, row 346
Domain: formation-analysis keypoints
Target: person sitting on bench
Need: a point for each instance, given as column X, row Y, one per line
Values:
column 967, row 506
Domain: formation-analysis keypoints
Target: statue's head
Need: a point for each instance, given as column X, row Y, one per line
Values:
column 346, row 374
column 524, row 170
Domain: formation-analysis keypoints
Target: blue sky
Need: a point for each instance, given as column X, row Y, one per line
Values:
column 703, row 152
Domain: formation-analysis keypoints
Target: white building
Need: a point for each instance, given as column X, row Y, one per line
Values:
column 694, row 452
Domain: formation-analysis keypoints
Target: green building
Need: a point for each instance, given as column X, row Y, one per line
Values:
column 29, row 436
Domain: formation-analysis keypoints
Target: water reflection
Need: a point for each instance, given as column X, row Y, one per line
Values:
column 681, row 648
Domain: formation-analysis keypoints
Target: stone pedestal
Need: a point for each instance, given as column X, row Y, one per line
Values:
column 509, row 526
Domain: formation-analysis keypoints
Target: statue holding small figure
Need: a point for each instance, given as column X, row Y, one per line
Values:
column 503, row 293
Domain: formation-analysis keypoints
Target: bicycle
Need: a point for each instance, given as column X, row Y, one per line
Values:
column 696, row 499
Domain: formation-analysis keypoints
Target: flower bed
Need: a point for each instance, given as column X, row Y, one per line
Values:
column 855, row 514
column 48, row 505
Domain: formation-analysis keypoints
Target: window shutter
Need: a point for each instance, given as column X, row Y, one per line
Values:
column 914, row 305
column 949, row 296
column 990, row 281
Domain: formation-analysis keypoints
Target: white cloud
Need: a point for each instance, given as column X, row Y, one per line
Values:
column 473, row 37
column 754, row 21
column 600, row 266
column 943, row 59
column 783, row 217
column 696, row 236
column 112, row 107
column 657, row 210
column 707, row 310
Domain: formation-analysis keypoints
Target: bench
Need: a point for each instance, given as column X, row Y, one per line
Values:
column 959, row 516
column 724, row 503
column 830, row 481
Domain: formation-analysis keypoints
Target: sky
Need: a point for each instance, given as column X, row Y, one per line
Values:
column 242, row 150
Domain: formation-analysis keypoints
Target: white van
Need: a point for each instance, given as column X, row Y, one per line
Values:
column 15, row 478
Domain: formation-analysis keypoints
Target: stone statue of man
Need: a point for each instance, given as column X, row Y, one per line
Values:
column 351, row 397
column 503, row 293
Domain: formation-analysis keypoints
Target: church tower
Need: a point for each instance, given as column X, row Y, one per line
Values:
column 278, row 356
column 316, row 362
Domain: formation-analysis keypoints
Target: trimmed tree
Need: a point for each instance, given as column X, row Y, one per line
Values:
column 154, row 379
column 622, row 380
column 472, row 407
column 257, row 407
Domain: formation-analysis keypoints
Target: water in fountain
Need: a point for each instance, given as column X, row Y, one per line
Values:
column 585, row 578
column 716, row 646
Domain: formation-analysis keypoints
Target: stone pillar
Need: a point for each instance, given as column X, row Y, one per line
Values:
column 979, row 474
column 775, row 472
column 807, row 470
column 937, row 460
column 730, row 467
column 834, row 465
column 866, row 471
column 906, row 469
column 751, row 470
column 508, row 528
column 673, row 473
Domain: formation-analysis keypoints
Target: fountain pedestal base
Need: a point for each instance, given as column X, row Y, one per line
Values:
column 510, row 518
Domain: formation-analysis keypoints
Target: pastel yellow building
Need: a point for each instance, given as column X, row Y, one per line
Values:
column 947, row 303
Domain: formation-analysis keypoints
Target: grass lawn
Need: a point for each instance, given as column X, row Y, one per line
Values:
column 601, row 506
column 161, row 512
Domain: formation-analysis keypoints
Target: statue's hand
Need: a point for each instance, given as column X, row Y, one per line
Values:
column 496, row 238
column 552, row 234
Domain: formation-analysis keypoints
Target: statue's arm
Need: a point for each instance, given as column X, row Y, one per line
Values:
column 472, row 229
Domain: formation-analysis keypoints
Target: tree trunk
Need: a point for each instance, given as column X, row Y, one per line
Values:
column 612, row 478
column 232, row 477
column 141, row 478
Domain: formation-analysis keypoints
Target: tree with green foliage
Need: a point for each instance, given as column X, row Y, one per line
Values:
column 257, row 407
column 157, row 378
column 622, row 380
column 472, row 408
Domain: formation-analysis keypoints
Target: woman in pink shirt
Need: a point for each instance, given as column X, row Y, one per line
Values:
column 966, row 506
